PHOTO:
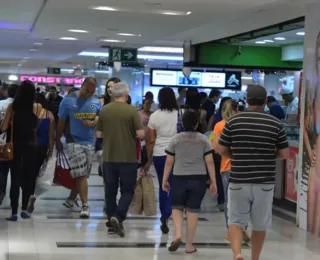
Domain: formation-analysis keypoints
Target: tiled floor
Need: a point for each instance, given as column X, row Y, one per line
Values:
column 55, row 234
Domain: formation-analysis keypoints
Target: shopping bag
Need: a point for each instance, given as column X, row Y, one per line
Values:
column 136, row 204
column 149, row 197
column 62, row 174
column 45, row 176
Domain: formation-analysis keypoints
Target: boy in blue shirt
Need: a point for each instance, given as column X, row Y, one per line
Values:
column 275, row 109
column 82, row 109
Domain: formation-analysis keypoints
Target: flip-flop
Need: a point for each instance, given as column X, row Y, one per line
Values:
column 175, row 245
column 191, row 252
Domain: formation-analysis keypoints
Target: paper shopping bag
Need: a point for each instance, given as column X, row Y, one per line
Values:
column 149, row 197
column 45, row 176
column 136, row 204
column 62, row 175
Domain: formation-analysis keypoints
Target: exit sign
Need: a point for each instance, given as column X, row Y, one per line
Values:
column 55, row 71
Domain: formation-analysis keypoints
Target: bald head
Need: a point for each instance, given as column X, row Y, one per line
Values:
column 120, row 90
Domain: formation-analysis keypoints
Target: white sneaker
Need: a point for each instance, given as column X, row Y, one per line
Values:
column 85, row 211
column 73, row 205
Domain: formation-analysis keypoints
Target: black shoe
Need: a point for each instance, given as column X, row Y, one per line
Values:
column 164, row 225
column 220, row 207
column 111, row 229
column 118, row 227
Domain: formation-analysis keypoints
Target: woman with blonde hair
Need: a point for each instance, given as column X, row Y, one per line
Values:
column 229, row 109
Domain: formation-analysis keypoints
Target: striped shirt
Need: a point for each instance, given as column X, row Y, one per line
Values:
column 253, row 137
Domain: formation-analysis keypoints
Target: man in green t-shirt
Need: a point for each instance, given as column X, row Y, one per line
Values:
column 119, row 125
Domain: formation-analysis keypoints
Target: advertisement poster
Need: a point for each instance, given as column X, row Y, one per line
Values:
column 213, row 80
column 291, row 175
column 309, row 202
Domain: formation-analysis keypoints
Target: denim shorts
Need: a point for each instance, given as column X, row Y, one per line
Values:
column 250, row 202
column 188, row 193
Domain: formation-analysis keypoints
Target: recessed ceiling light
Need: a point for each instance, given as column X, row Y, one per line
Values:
column 19, row 65
column 26, row 58
column 38, row 43
column 280, row 39
column 161, row 49
column 301, row 33
column 78, row 31
column 68, row 38
column 174, row 13
column 33, row 50
column 104, row 8
column 111, row 40
column 260, row 42
column 129, row 34
column 268, row 40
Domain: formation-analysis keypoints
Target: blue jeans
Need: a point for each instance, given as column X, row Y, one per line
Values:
column 225, row 180
column 126, row 175
column 164, row 197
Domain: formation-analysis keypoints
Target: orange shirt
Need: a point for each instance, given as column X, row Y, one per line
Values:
column 225, row 162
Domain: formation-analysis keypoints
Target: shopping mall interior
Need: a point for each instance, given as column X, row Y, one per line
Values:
column 179, row 43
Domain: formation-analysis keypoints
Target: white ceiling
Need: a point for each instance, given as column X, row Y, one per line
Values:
column 291, row 37
column 24, row 22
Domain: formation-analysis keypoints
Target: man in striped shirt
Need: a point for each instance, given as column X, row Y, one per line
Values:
column 253, row 140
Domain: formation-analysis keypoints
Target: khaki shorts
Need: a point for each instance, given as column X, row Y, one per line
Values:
column 250, row 202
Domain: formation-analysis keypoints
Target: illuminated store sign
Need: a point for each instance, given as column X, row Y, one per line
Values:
column 58, row 80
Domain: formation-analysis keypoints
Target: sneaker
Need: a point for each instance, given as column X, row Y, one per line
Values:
column 246, row 236
column 118, row 227
column 73, row 205
column 164, row 225
column 85, row 211
column 32, row 200
column 220, row 207
column 25, row 215
column 2, row 196
column 111, row 229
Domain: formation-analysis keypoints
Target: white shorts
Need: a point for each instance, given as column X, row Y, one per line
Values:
column 80, row 159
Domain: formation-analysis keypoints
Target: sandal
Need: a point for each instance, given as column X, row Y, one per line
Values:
column 175, row 245
column 191, row 252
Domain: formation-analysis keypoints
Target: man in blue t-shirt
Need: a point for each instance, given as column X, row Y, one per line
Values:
column 275, row 109
column 82, row 110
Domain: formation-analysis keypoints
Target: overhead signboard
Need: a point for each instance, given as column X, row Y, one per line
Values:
column 55, row 71
column 198, row 79
column 123, row 55
column 50, row 80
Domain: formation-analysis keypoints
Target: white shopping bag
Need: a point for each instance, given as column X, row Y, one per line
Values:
column 45, row 177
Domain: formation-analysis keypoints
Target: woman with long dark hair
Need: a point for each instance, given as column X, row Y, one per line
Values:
column 162, row 127
column 193, row 101
column 22, row 115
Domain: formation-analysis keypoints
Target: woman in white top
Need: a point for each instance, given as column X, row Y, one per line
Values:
column 162, row 127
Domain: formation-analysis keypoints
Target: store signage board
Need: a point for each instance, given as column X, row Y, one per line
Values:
column 123, row 55
column 55, row 71
column 174, row 78
column 57, row 80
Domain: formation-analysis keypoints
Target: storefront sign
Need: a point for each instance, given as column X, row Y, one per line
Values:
column 291, row 175
column 58, row 80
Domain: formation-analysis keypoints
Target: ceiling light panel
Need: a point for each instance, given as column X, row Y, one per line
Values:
column 161, row 49
column 68, row 38
column 300, row 33
column 38, row 43
column 175, row 13
column 112, row 40
column 269, row 41
column 104, row 8
column 280, row 39
column 260, row 42
column 129, row 34
column 78, row 31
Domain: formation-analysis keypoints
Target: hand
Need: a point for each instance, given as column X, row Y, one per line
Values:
column 213, row 188
column 87, row 123
column 49, row 155
column 147, row 167
column 141, row 173
column 166, row 186
column 59, row 146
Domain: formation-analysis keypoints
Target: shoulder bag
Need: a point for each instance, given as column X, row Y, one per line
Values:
column 7, row 151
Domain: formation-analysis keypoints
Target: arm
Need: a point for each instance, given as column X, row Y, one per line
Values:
column 51, row 134
column 99, row 128
column 137, row 124
column 211, row 168
column 224, row 146
column 168, row 168
column 7, row 118
column 150, row 144
column 282, row 145
column 210, row 123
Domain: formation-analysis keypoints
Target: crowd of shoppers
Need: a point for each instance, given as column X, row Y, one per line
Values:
column 239, row 162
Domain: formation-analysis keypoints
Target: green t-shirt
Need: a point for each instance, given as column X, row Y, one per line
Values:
column 118, row 123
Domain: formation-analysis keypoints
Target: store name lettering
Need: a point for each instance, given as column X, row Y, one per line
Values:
column 42, row 79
